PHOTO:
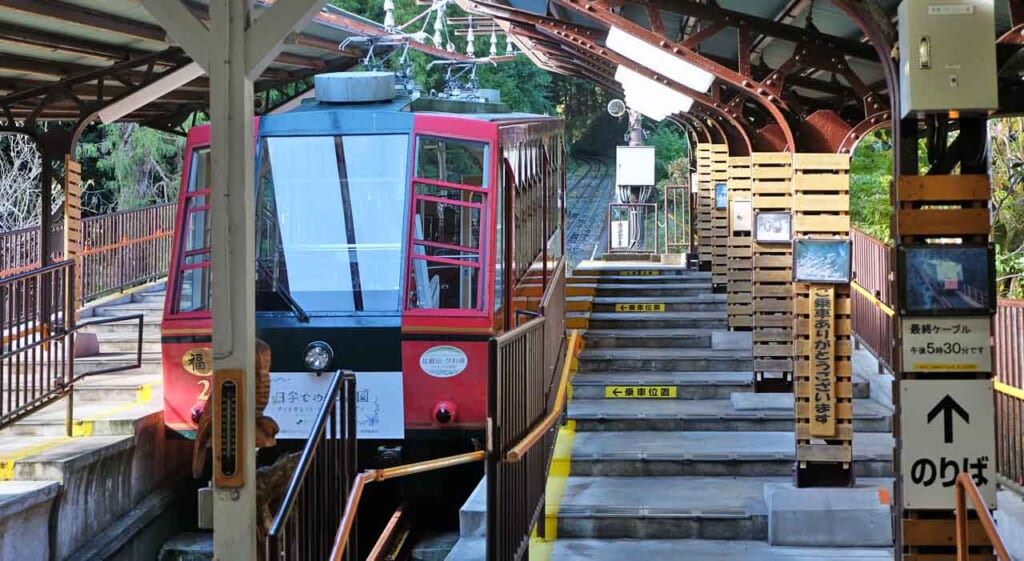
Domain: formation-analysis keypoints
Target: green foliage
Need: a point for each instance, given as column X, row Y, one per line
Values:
column 129, row 166
column 670, row 153
column 1006, row 142
column 870, row 178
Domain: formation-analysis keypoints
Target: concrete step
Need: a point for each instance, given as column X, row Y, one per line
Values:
column 25, row 508
column 700, row 303
column 582, row 549
column 703, row 415
column 664, row 359
column 633, row 289
column 91, row 418
column 645, row 279
column 153, row 306
column 615, row 269
column 673, row 507
column 700, row 550
column 102, row 477
column 151, row 362
column 659, row 320
column 689, row 385
column 613, row 338
column 654, row 453
column 150, row 296
column 118, row 388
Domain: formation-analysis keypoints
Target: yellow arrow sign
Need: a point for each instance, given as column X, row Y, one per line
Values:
column 640, row 392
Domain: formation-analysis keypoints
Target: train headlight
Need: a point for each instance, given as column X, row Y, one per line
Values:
column 318, row 356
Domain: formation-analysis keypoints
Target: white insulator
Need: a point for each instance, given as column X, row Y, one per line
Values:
column 389, row 14
column 494, row 43
column 451, row 47
column 437, row 37
column 509, row 51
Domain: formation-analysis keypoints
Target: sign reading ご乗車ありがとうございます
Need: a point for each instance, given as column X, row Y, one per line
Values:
column 823, row 361
column 296, row 399
column 947, row 344
column 947, row 427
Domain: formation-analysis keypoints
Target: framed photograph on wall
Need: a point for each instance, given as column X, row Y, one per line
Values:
column 947, row 279
column 741, row 216
column 773, row 227
column 721, row 196
column 821, row 261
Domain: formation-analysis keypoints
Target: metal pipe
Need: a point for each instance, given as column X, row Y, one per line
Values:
column 966, row 489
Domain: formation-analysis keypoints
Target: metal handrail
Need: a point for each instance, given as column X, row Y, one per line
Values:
column 966, row 489
column 308, row 451
column 378, row 475
column 538, row 431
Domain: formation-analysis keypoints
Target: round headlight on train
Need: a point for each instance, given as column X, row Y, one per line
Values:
column 318, row 356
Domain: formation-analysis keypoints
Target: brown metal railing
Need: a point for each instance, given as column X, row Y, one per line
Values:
column 522, row 413
column 965, row 490
column 633, row 228
column 872, row 299
column 36, row 315
column 1009, row 367
column 120, row 250
column 126, row 249
column 310, row 512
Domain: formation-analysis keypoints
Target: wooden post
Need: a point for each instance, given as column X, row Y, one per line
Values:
column 719, row 218
column 822, row 349
column 771, row 178
column 705, row 202
column 740, row 271
column 73, row 223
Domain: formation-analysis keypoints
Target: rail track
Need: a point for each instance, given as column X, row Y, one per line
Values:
column 587, row 197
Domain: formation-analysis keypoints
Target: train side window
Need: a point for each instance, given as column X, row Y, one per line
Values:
column 194, row 283
column 449, row 225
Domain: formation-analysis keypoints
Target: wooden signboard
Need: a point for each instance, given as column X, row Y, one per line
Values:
column 73, row 222
column 740, row 257
column 771, row 184
column 823, row 370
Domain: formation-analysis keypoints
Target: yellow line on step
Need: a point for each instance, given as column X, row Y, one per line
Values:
column 79, row 429
column 558, row 476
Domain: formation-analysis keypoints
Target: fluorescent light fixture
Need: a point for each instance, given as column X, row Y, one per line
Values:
column 658, row 60
column 161, row 87
column 653, row 99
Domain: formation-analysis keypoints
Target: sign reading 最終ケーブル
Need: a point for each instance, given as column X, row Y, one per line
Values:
column 948, row 428
column 649, row 307
column 640, row 392
column 947, row 344
column 823, row 361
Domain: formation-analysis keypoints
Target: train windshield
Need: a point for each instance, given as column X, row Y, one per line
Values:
column 330, row 222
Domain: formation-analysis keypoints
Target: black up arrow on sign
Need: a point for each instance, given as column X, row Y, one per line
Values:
column 947, row 406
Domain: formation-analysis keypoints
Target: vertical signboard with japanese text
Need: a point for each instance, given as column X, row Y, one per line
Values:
column 823, row 360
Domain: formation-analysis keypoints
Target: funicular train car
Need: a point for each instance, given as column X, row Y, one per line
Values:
column 394, row 238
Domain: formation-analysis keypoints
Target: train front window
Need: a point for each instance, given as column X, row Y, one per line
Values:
column 329, row 222
column 194, row 276
column 449, row 209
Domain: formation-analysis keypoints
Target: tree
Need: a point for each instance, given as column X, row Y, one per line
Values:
column 870, row 178
column 1006, row 157
column 21, row 168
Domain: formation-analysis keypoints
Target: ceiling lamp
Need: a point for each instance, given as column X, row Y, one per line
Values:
column 664, row 63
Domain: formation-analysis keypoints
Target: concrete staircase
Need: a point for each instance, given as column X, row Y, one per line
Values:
column 99, row 494
column 705, row 475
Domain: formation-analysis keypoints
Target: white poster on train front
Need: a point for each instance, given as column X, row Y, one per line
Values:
column 947, row 344
column 296, row 399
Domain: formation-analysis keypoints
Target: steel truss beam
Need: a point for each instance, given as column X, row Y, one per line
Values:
column 601, row 11
column 582, row 43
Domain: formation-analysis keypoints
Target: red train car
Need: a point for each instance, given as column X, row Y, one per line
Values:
column 394, row 238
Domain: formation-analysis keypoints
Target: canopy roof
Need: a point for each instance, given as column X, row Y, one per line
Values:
column 66, row 59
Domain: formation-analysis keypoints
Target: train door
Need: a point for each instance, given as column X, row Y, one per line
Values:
column 186, row 327
column 450, row 283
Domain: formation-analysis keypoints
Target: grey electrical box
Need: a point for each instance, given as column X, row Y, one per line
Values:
column 947, row 56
